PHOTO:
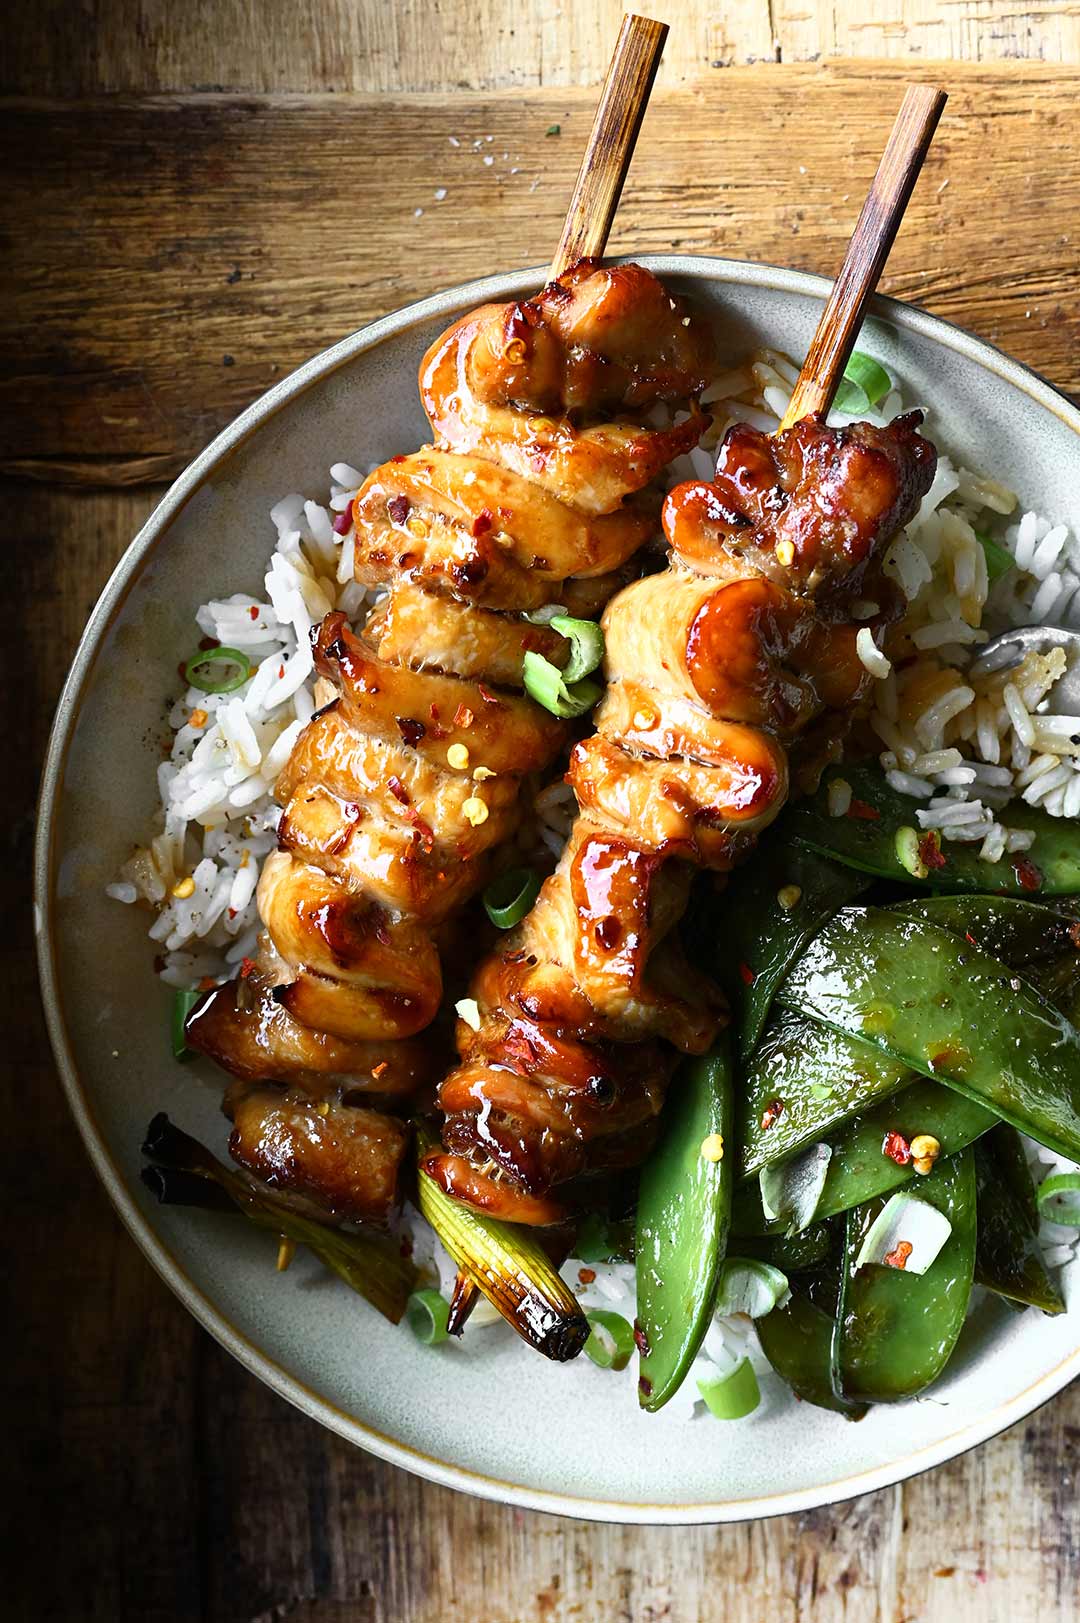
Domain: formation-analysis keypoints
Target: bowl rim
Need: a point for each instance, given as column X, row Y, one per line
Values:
column 734, row 273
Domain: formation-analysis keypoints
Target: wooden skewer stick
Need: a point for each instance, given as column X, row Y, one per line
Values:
column 832, row 343
column 611, row 142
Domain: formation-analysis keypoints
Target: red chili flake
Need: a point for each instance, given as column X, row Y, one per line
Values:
column 377, row 1070
column 207, row 983
column 747, row 974
column 970, row 939
column 434, row 712
column 399, row 458
column 398, row 508
column 930, row 852
column 482, row 522
column 343, row 522
column 644, row 1386
column 231, row 912
column 487, row 696
column 206, row 643
column 253, row 611
column 422, row 831
column 463, row 717
column 411, row 731
column 1026, row 872
column 280, row 672
column 899, row 1257
column 896, row 1147
column 398, row 790
column 586, row 1275
column 863, row 811
column 1074, row 933
column 772, row 1113
column 641, row 1340
column 247, row 967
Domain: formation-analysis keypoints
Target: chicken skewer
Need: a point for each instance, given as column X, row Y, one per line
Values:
column 730, row 673
column 537, row 486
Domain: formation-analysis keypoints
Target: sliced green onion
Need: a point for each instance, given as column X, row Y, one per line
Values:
column 907, row 1230
column 998, row 560
column 182, row 1004
column 544, row 615
column 1059, row 1198
column 751, row 1287
column 427, row 1314
column 586, row 645
column 611, row 1339
column 906, row 845
column 509, row 897
column 864, row 383
column 735, row 1395
column 202, row 670
column 544, row 682
column 791, row 1189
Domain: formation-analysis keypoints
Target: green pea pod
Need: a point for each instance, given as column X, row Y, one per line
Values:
column 859, row 1168
column 804, row 1079
column 1008, row 1257
column 866, row 839
column 925, row 997
column 752, row 937
column 1058, row 979
column 791, row 1253
column 894, row 1331
column 683, row 1216
column 797, row 1341
column 1018, row 932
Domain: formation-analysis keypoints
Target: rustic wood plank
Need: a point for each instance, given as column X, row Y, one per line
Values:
column 59, row 48
column 182, row 253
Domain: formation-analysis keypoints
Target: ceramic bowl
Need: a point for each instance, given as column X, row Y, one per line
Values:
column 487, row 1416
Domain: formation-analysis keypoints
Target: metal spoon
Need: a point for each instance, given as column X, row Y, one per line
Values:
column 1003, row 652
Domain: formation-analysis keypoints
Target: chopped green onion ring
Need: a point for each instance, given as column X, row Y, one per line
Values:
column 906, row 845
column 734, row 1395
column 544, row 615
column 611, row 1339
column 586, row 646
column 864, row 383
column 183, row 1002
column 998, row 560
column 791, row 1190
column 905, row 1220
column 1059, row 1198
column 427, row 1314
column 544, row 683
column 509, row 897
column 199, row 670
column 751, row 1287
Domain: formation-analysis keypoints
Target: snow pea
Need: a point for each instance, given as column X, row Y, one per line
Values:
column 1008, row 1257
column 797, row 1341
column 859, row 1169
column 753, row 937
column 894, row 1332
column 683, row 1216
column 1017, row 931
column 791, row 1253
column 949, row 1010
column 804, row 1079
column 866, row 839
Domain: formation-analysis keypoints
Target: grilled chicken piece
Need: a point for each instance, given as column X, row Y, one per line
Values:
column 540, row 487
column 717, row 669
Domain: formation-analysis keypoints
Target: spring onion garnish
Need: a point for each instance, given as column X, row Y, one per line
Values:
column 734, row 1395
column 1059, row 1198
column 864, row 383
column 509, row 897
column 908, row 855
column 427, row 1314
column 544, row 683
column 751, row 1287
column 218, row 670
column 182, row 1004
column 611, row 1339
column 998, row 560
column 907, row 1234
column 544, row 615
column 586, row 645
column 791, row 1189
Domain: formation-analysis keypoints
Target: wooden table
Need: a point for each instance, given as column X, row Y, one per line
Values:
column 197, row 197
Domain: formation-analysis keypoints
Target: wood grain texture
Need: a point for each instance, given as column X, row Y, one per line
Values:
column 55, row 47
column 156, row 1481
column 186, row 252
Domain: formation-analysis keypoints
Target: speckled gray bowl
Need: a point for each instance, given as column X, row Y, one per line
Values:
column 487, row 1416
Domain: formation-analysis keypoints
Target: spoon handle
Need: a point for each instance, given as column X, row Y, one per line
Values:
column 832, row 343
